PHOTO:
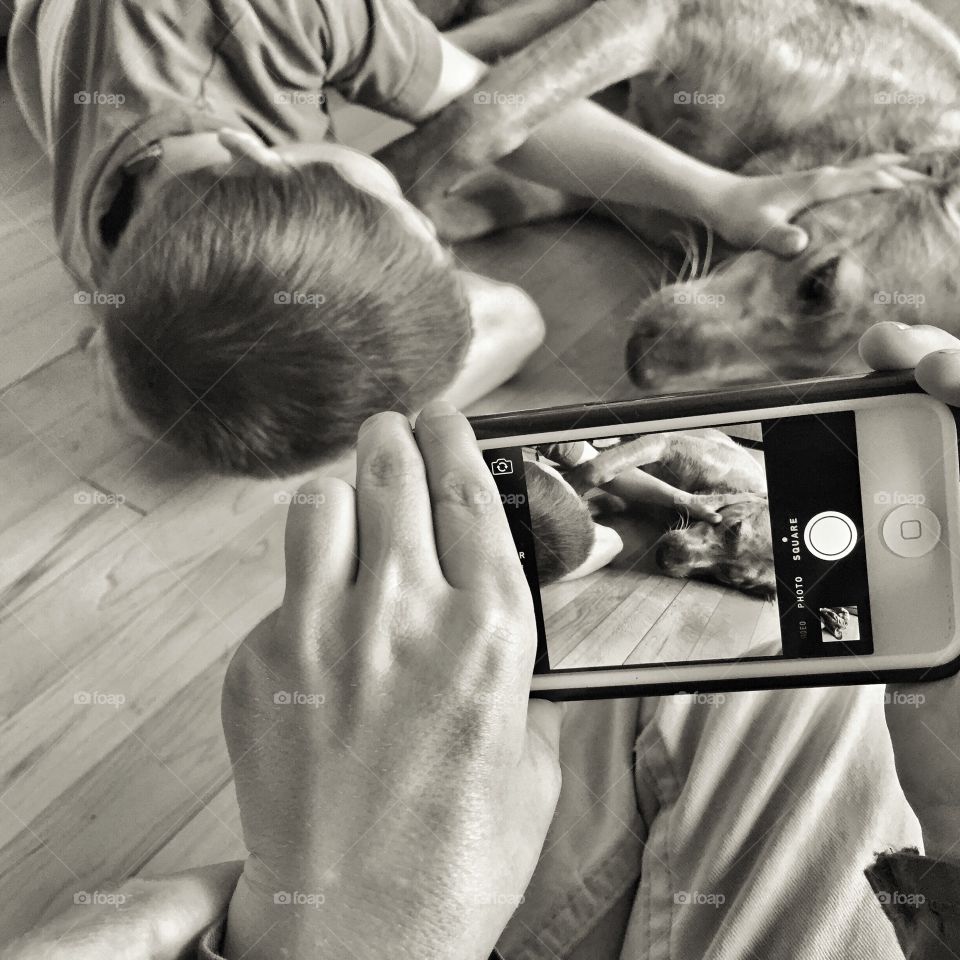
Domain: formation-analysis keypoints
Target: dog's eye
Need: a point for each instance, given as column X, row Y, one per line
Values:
column 934, row 165
column 816, row 289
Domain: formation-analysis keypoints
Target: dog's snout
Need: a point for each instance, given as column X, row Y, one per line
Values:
column 639, row 367
column 656, row 351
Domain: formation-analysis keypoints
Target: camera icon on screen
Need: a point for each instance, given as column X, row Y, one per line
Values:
column 501, row 467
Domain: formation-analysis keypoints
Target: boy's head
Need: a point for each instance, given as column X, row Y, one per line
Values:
column 563, row 531
column 269, row 308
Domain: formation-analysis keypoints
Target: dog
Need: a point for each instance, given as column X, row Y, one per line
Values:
column 751, row 86
column 736, row 552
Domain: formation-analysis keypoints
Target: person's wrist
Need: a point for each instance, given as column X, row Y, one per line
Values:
column 288, row 920
column 269, row 918
column 712, row 196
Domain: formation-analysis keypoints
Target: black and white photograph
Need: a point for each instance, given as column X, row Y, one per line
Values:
column 840, row 623
column 395, row 561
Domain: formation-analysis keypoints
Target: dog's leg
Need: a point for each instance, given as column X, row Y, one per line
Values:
column 495, row 200
column 610, row 41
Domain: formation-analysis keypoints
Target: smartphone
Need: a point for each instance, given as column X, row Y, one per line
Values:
column 799, row 534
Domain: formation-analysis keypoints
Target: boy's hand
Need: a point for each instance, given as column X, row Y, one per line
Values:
column 924, row 718
column 707, row 506
column 395, row 781
column 756, row 211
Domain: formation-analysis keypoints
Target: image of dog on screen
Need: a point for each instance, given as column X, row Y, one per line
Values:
column 707, row 487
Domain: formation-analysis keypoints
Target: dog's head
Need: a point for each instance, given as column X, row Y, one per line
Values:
column 737, row 552
column 882, row 256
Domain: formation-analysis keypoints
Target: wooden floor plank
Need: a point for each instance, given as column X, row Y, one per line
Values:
column 213, row 834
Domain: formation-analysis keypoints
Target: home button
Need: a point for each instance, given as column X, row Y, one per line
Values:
column 911, row 530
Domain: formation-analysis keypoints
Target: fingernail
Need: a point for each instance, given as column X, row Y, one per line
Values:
column 949, row 352
column 899, row 325
column 438, row 408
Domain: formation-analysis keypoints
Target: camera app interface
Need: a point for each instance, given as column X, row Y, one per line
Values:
column 728, row 543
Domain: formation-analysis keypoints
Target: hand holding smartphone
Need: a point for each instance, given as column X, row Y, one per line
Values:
column 833, row 561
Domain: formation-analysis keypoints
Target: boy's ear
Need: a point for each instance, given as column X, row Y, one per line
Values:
column 249, row 152
column 108, row 391
column 606, row 545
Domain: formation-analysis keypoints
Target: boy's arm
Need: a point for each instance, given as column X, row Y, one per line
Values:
column 589, row 151
column 635, row 485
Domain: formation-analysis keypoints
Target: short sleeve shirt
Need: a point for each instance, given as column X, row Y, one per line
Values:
column 99, row 80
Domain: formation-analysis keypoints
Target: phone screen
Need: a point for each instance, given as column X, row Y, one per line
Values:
column 738, row 542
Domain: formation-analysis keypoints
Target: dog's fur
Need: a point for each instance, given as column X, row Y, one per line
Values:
column 769, row 87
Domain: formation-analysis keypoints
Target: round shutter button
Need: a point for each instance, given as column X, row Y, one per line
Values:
column 911, row 530
column 830, row 535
